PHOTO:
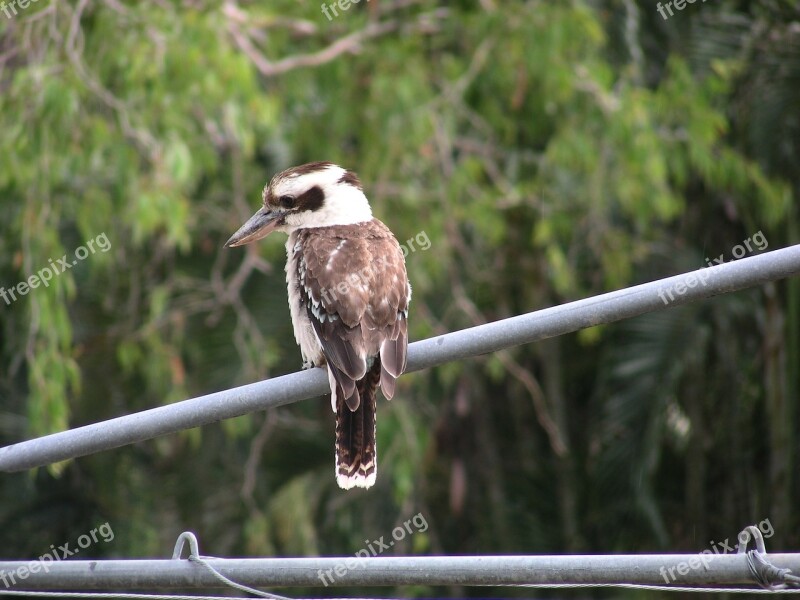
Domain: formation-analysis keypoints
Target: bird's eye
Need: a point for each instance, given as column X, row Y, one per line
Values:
column 286, row 201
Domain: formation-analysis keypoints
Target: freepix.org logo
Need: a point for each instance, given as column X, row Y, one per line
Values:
column 678, row 4
column 56, row 553
column 45, row 274
column 757, row 242
column 704, row 558
column 10, row 8
column 374, row 548
column 343, row 5
column 360, row 280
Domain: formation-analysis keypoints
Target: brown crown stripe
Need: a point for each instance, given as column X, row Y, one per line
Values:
column 351, row 178
column 313, row 167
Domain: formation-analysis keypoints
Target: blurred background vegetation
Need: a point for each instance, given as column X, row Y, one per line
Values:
column 549, row 150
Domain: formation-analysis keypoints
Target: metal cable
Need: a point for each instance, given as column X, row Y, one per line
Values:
column 194, row 556
column 242, row 588
column 108, row 595
column 631, row 586
column 768, row 575
column 663, row 588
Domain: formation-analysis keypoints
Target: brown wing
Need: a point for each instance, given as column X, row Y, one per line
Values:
column 354, row 286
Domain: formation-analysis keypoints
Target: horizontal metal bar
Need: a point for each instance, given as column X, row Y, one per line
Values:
column 523, row 329
column 664, row 569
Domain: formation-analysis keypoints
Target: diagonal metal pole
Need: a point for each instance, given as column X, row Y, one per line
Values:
column 523, row 329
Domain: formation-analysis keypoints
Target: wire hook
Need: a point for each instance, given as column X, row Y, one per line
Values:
column 767, row 575
column 753, row 533
column 194, row 549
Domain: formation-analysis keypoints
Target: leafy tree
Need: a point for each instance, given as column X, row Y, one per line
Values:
column 526, row 153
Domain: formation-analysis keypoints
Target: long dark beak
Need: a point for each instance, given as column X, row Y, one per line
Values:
column 260, row 225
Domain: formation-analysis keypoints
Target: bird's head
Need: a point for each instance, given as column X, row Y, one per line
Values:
column 317, row 194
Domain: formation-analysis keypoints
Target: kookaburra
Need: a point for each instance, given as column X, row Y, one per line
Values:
column 348, row 297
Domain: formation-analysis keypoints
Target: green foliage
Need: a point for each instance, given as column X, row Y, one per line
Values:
column 543, row 161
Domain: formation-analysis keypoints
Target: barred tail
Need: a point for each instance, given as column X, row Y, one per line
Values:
column 356, row 454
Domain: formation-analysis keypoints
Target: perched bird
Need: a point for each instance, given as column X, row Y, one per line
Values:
column 348, row 297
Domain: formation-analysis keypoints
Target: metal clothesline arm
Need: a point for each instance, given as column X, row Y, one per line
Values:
column 665, row 569
column 483, row 339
